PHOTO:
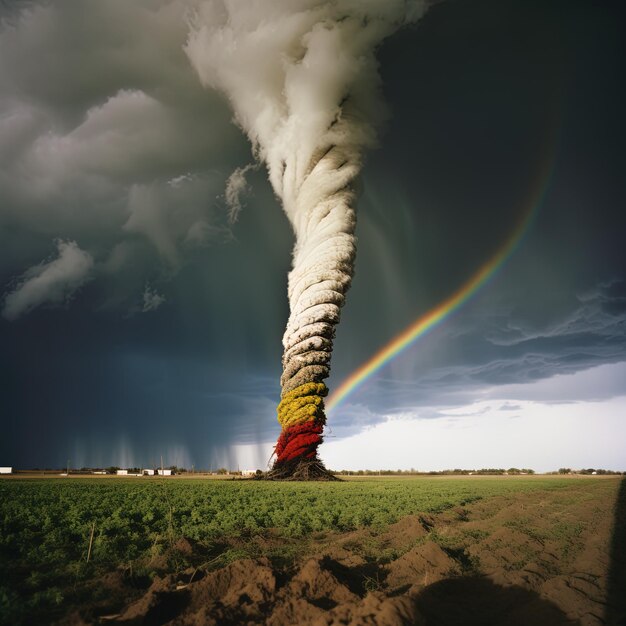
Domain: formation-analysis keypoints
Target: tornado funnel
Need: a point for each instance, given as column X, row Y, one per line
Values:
column 302, row 79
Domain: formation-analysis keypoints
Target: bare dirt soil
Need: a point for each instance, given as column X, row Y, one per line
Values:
column 538, row 559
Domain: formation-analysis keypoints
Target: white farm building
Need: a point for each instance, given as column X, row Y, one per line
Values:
column 6, row 470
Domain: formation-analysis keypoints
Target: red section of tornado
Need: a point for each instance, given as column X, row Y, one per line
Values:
column 300, row 440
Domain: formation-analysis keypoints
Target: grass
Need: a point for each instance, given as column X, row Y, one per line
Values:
column 45, row 525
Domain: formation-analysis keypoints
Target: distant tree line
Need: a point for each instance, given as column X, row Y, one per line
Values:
column 485, row 471
column 588, row 471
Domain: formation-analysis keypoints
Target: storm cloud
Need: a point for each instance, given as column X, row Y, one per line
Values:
column 107, row 138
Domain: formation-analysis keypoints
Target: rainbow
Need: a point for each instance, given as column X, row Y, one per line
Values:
column 438, row 314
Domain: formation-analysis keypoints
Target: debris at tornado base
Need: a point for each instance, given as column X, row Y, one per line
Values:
column 300, row 469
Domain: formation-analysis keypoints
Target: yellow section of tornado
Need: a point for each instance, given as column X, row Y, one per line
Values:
column 302, row 404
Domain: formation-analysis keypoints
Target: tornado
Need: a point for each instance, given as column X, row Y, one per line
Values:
column 302, row 79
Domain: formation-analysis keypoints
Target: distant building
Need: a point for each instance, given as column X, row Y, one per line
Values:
column 248, row 472
column 122, row 472
column 148, row 472
column 164, row 472
column 100, row 472
column 6, row 470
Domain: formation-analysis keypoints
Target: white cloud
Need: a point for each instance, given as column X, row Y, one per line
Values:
column 236, row 186
column 601, row 382
column 542, row 436
column 573, row 420
column 151, row 299
column 54, row 282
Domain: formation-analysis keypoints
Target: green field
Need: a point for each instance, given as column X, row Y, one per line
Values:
column 46, row 525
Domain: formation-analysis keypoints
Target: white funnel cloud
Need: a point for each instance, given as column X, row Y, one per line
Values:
column 302, row 79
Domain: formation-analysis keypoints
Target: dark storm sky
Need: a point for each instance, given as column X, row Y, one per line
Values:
column 138, row 320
